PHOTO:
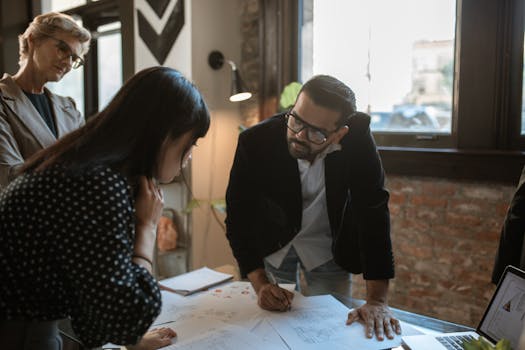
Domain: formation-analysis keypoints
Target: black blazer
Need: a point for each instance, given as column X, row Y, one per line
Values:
column 511, row 250
column 264, row 200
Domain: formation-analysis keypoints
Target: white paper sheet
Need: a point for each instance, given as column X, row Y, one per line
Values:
column 319, row 323
column 221, row 338
column 195, row 281
column 206, row 320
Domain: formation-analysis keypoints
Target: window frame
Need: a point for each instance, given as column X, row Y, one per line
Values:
column 485, row 142
column 93, row 15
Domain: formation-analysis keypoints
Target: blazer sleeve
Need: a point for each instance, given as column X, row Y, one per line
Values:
column 511, row 250
column 366, row 231
column 241, row 203
column 10, row 156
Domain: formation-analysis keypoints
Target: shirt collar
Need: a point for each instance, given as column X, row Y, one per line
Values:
column 333, row 147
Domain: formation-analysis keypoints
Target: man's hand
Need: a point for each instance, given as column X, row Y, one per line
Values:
column 375, row 314
column 376, row 317
column 274, row 298
column 269, row 296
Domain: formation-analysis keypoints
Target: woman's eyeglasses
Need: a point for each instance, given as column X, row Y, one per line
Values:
column 313, row 134
column 65, row 51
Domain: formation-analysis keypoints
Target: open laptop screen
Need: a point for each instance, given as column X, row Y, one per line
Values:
column 505, row 316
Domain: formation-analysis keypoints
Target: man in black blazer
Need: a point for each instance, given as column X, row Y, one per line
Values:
column 306, row 198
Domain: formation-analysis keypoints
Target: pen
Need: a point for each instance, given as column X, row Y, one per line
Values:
column 274, row 282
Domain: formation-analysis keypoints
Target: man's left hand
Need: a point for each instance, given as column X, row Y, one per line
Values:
column 377, row 318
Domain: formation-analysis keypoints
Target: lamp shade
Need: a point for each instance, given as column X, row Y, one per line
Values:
column 239, row 92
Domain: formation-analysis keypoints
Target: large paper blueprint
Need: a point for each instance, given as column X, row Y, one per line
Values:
column 227, row 317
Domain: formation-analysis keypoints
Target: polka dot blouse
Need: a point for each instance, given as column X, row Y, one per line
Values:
column 65, row 251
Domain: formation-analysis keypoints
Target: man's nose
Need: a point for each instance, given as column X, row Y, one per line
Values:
column 302, row 134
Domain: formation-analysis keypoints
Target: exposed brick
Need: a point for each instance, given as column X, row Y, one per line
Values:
column 491, row 236
column 395, row 210
column 470, row 206
column 451, row 231
column 428, row 201
column 502, row 209
column 439, row 188
column 482, row 192
column 463, row 220
column 397, row 197
column 424, row 213
column 416, row 251
column 398, row 184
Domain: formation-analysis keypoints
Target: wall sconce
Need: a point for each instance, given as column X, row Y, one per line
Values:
column 239, row 92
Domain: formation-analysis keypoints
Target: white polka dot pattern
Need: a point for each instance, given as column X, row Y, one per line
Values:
column 65, row 251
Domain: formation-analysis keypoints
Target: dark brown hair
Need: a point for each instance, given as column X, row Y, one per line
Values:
column 329, row 92
column 155, row 104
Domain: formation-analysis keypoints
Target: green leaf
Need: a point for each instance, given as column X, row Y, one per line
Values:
column 503, row 344
column 289, row 95
column 194, row 203
column 219, row 205
column 481, row 344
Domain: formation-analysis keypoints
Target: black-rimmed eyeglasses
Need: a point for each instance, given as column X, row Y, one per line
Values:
column 313, row 134
column 65, row 51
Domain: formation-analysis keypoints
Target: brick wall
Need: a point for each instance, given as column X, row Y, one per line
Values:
column 445, row 233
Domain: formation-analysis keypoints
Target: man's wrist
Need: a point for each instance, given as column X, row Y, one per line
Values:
column 258, row 279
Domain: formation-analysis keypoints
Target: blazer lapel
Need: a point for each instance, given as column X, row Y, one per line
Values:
column 65, row 119
column 24, row 110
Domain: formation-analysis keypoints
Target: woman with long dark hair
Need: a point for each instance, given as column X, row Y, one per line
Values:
column 78, row 224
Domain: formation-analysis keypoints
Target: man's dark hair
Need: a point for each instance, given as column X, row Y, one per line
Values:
column 155, row 104
column 329, row 92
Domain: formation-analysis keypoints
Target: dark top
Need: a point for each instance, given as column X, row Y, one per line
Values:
column 41, row 103
column 264, row 200
column 511, row 250
column 66, row 248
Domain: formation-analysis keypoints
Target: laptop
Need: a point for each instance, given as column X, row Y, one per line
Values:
column 503, row 318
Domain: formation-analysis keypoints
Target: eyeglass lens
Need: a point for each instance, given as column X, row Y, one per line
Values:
column 313, row 135
column 66, row 51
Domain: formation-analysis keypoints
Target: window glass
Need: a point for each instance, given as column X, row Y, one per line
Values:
column 60, row 5
column 72, row 85
column 109, row 62
column 397, row 56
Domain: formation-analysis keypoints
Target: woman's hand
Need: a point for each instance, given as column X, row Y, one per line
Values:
column 148, row 209
column 155, row 339
column 148, row 204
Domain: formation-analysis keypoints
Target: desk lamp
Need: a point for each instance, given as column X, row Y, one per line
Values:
column 239, row 92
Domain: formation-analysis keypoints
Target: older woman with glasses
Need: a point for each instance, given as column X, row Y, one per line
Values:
column 31, row 116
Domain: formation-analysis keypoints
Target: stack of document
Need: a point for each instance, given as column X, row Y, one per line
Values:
column 194, row 281
column 228, row 317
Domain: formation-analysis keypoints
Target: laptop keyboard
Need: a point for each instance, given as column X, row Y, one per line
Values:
column 454, row 342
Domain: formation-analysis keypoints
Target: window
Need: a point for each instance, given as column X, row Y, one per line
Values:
column 110, row 57
column 61, row 5
column 397, row 56
column 480, row 137
column 109, row 62
column 71, row 85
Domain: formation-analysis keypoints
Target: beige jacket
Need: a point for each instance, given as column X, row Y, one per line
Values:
column 23, row 131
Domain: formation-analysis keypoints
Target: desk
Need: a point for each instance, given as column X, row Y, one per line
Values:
column 412, row 318
column 406, row 316
column 423, row 323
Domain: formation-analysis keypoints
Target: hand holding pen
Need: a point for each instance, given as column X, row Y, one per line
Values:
column 273, row 297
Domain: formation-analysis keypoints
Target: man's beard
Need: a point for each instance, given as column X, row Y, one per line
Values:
column 304, row 150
